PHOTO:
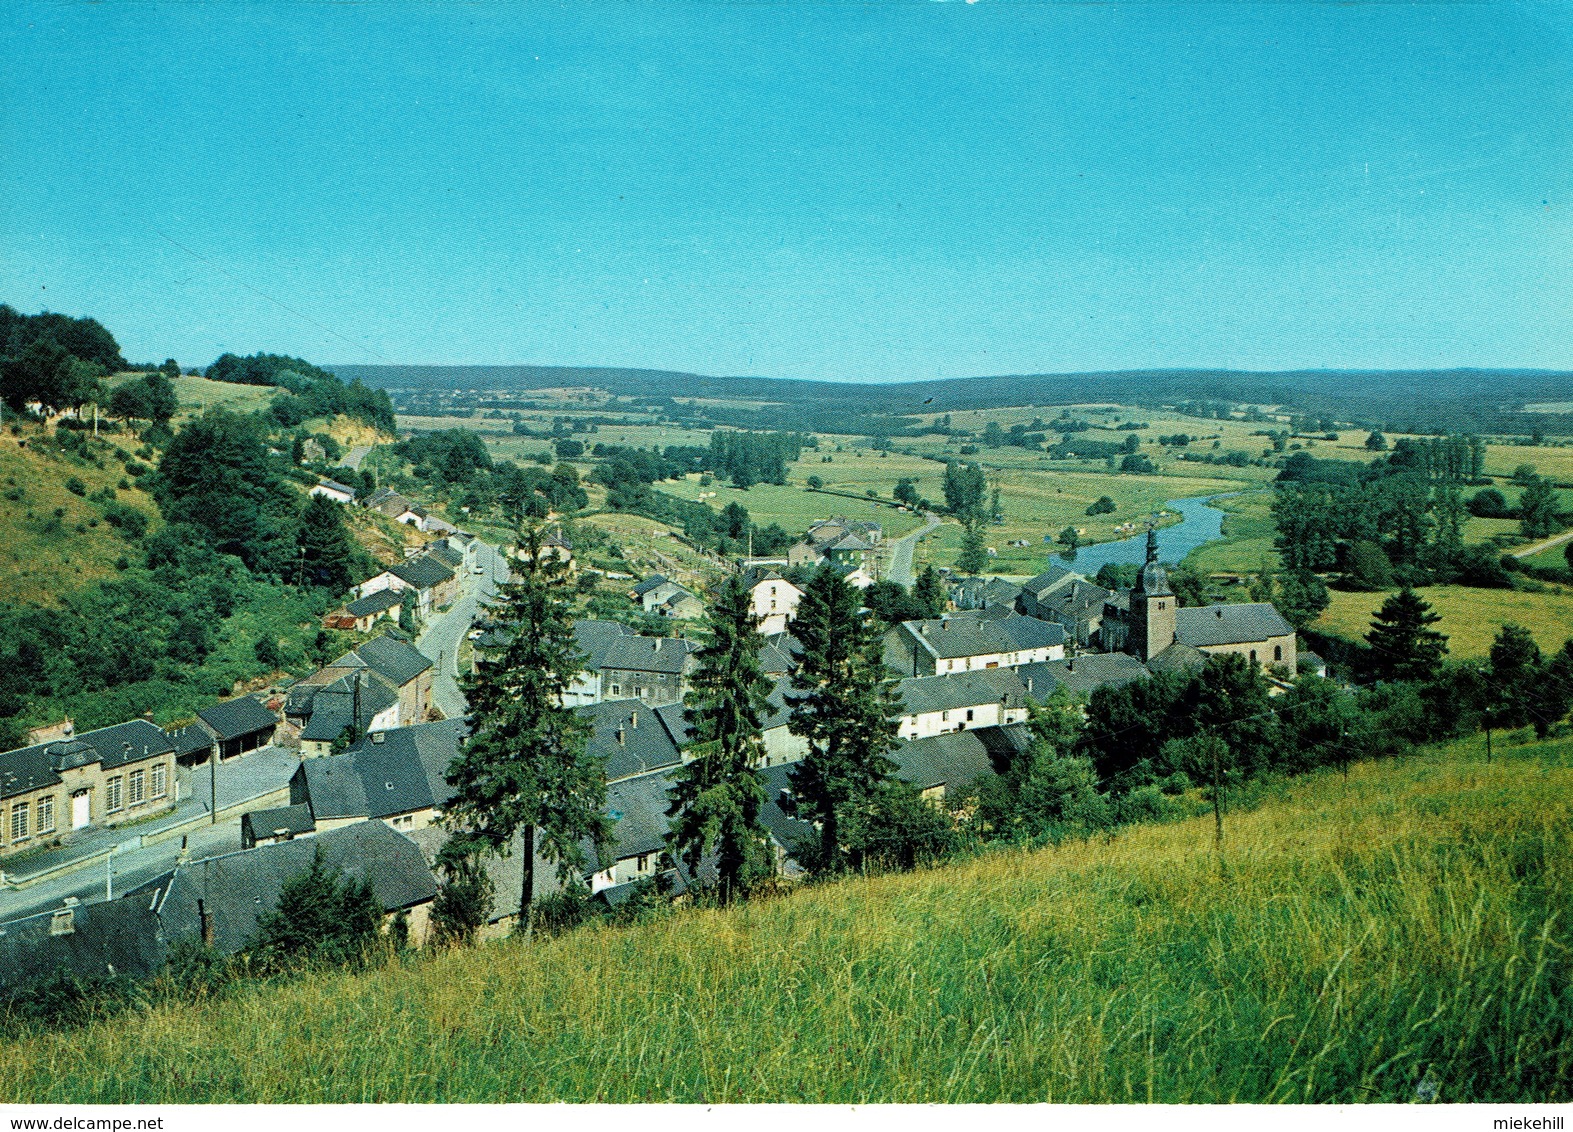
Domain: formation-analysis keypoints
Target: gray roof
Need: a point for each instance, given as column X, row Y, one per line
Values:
column 331, row 706
column 1081, row 675
column 956, row 759
column 388, row 772
column 449, row 555
column 595, row 638
column 423, row 571
column 975, row 633
column 293, row 820
column 237, row 889
column 922, row 694
column 776, row 715
column 638, row 808
column 335, row 485
column 389, row 656
column 240, row 716
column 787, row 829
column 1031, row 633
column 1051, row 578
column 1080, row 600
column 647, row 743
column 381, row 496
column 379, row 602
column 189, row 740
column 654, row 581
column 1229, row 624
column 1178, row 657
column 28, row 768
column 649, row 654
column 107, row 939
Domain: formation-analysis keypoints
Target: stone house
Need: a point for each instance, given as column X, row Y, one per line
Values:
column 338, row 492
column 95, row 778
column 935, row 705
column 652, row 669
column 397, row 776
column 963, row 642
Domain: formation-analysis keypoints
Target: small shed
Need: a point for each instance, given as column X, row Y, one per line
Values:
column 239, row 725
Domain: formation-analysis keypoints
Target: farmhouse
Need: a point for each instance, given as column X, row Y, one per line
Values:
column 397, row 776
column 652, row 669
column 103, row 777
column 630, row 737
column 772, row 598
column 361, row 614
column 934, row 705
column 335, row 491
column 961, row 642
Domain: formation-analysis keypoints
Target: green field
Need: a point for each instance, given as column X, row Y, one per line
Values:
column 1247, row 545
column 1470, row 617
column 1403, row 933
column 198, row 394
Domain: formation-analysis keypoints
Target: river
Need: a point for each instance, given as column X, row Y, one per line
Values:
column 1200, row 523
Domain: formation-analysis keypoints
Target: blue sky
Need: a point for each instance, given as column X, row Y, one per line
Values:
column 873, row 192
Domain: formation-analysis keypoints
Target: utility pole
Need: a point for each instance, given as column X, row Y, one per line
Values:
column 212, row 781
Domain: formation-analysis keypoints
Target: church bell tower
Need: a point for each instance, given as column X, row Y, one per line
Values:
column 1152, row 607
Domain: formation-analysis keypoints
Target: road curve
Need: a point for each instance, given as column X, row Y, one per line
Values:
column 901, row 553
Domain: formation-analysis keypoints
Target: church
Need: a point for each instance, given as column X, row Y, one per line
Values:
column 1148, row 623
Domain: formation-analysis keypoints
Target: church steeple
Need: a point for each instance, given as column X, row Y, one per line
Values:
column 1152, row 606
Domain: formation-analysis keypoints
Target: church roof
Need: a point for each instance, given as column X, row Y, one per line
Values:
column 1213, row 625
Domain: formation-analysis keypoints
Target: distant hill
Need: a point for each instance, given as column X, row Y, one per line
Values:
column 1407, row 400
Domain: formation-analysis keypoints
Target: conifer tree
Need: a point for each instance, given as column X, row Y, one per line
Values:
column 717, row 797
column 328, row 552
column 1515, row 671
column 929, row 592
column 846, row 706
column 1403, row 644
column 523, row 776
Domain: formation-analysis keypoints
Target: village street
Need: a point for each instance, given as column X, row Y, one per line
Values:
column 442, row 634
column 901, row 553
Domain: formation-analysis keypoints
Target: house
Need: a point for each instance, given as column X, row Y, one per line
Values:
column 104, row 777
column 681, row 605
column 335, row 491
column 772, row 598
column 424, row 579
column 398, row 777
column 282, row 823
column 504, row 871
column 404, row 666
column 985, row 593
column 631, row 737
column 595, row 640
column 1150, row 623
column 645, row 585
column 361, row 614
column 781, row 746
column 553, row 547
column 839, row 541
column 108, row 940
column 934, row 705
column 961, row 642
column 219, row 901
column 652, row 669
column 1080, row 675
column 382, row 497
column 942, row 767
column 637, row 807
column 666, row 598
column 362, row 698
column 449, row 554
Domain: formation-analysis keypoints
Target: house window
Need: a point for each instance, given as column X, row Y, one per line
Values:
column 112, row 795
column 617, row 689
column 1161, row 605
column 138, row 789
column 643, row 862
column 46, row 814
column 950, row 666
column 19, row 822
column 969, row 715
column 1278, row 652
column 1253, row 656
column 944, row 717
column 160, row 780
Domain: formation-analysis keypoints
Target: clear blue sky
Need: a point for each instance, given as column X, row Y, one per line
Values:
column 841, row 191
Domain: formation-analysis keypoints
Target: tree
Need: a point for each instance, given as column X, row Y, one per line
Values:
column 965, row 486
column 974, row 555
column 1070, row 539
column 815, row 483
column 1403, row 644
column 464, row 898
column 906, row 492
column 845, row 705
column 130, row 402
column 1515, row 675
column 1138, row 463
column 39, row 373
column 1301, row 597
column 216, row 476
column 319, row 916
column 1552, row 696
column 1489, row 503
column 1376, row 442
column 1103, row 505
column 1368, row 567
column 717, row 797
column 1049, row 789
column 928, row 592
column 1537, row 510
column 1319, row 721
column 266, row 649
column 898, row 829
column 328, row 555
column 523, row 776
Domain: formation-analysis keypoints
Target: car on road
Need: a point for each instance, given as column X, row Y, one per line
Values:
column 477, row 569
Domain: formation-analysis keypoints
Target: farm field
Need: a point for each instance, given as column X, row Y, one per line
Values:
column 1470, row 617
column 795, row 507
column 1426, row 897
column 198, row 394
column 1247, row 545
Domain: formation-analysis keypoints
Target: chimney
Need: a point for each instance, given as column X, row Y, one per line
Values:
column 658, row 644
column 1219, row 612
column 633, row 720
column 184, row 857
column 1070, row 665
column 1029, row 685
column 945, row 625
column 378, row 736
column 622, row 737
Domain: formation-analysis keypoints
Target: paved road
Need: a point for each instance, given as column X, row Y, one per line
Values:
column 1543, row 544
column 440, row 639
column 354, row 456
column 901, row 553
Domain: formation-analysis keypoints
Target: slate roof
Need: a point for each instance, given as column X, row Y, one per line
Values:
column 449, row 555
column 380, row 496
column 979, row 632
column 595, row 638
column 649, row 654
column 423, row 571
column 294, row 820
column 646, row 747
column 638, row 809
column 654, row 581
column 787, row 829
column 237, row 889
column 956, row 759
column 191, row 739
column 756, row 575
column 335, row 485
column 1178, row 657
column 778, row 714
column 923, row 694
column 388, row 772
column 1031, row 633
column 1080, row 600
column 241, row 716
column 1081, row 675
column 379, row 602
column 1051, row 578
column 28, row 768
column 110, row 938
column 333, row 705
column 1229, row 624
column 397, row 660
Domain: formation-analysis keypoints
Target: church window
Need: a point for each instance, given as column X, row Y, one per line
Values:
column 1278, row 652
column 1253, row 656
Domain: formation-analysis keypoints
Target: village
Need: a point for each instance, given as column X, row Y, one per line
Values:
column 121, row 843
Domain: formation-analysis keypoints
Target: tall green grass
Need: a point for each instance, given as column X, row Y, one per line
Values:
column 1404, row 934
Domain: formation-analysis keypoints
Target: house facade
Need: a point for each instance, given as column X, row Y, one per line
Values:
column 937, row 705
column 965, row 642
column 772, row 598
column 96, row 778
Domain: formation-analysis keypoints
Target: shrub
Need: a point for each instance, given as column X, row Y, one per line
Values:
column 76, row 486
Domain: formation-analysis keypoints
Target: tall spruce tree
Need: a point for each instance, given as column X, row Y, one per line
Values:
column 1403, row 644
column 845, row 704
column 327, row 552
column 717, row 797
column 523, row 775
column 1515, row 671
column 929, row 592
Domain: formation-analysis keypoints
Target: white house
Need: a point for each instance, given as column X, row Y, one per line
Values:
column 773, row 598
column 335, row 491
column 936, row 705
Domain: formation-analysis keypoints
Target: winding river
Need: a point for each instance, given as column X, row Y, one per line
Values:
column 1200, row 523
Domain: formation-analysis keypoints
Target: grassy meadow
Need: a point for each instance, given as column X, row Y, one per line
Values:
column 1470, row 617
column 1401, row 933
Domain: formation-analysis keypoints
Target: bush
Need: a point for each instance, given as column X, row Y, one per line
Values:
column 126, row 519
column 76, row 486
